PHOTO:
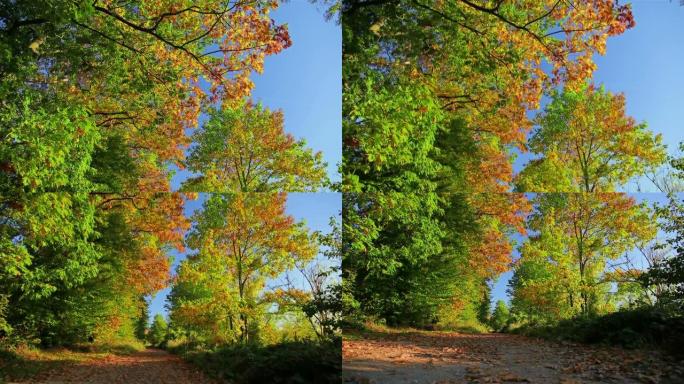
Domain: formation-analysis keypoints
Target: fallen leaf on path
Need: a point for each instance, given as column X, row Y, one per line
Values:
column 513, row 378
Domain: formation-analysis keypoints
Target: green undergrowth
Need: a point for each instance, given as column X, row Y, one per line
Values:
column 23, row 362
column 373, row 330
column 640, row 328
column 290, row 362
column 469, row 328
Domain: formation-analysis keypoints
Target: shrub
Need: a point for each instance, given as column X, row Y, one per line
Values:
column 290, row 362
column 628, row 328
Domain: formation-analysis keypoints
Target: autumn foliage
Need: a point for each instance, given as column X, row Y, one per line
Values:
column 480, row 62
column 438, row 99
column 98, row 98
column 245, row 149
column 242, row 240
column 588, row 144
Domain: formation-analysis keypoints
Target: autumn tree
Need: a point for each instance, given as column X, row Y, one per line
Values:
column 587, row 143
column 244, row 149
column 136, row 81
column 83, row 267
column 562, row 268
column 241, row 240
column 412, row 68
column 419, row 259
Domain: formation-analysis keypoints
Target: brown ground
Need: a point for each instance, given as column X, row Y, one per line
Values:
column 151, row 366
column 441, row 358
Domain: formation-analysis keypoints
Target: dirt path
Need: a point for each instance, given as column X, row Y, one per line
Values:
column 152, row 366
column 441, row 358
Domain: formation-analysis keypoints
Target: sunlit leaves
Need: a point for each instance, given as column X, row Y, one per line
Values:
column 241, row 241
column 588, row 144
column 562, row 268
column 46, row 147
column 244, row 149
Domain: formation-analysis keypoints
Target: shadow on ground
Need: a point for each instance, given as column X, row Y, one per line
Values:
column 442, row 357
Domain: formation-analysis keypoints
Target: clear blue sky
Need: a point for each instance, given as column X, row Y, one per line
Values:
column 305, row 81
column 645, row 63
column 314, row 208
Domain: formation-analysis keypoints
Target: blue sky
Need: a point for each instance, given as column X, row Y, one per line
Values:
column 315, row 209
column 305, row 81
column 645, row 64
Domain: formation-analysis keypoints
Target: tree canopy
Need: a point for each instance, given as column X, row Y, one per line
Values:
column 98, row 102
column 245, row 149
column 588, row 144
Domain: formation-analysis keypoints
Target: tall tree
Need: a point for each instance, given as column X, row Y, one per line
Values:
column 142, row 323
column 241, row 240
column 500, row 316
column 410, row 257
column 393, row 256
column 561, row 271
column 158, row 331
column 485, row 304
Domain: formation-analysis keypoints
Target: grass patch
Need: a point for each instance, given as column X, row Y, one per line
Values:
column 470, row 327
column 628, row 329
column 117, row 348
column 23, row 362
column 375, row 331
column 289, row 362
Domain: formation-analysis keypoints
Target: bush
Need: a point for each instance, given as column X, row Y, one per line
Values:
column 629, row 328
column 289, row 362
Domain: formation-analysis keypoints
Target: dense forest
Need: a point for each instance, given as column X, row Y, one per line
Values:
column 439, row 98
column 480, row 149
column 100, row 103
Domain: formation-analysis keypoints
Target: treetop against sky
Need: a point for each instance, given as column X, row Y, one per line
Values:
column 641, row 64
column 304, row 81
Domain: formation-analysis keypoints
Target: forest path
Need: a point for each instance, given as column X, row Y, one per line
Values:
column 152, row 366
column 441, row 358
